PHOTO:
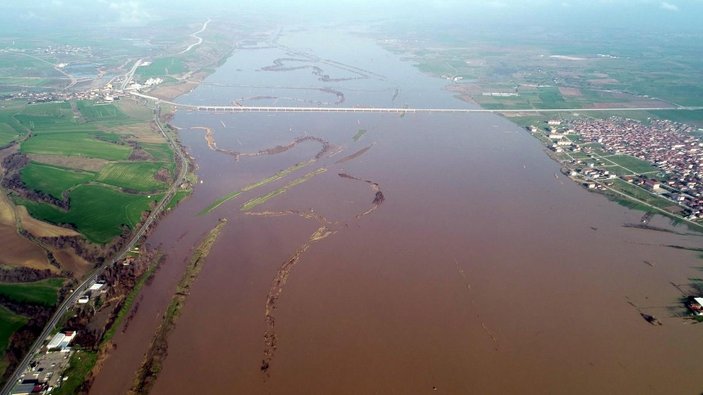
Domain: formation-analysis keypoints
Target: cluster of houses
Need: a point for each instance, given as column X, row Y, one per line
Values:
column 670, row 146
column 47, row 370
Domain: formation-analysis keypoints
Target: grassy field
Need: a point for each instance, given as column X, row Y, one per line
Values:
column 641, row 194
column 68, row 134
column 9, row 324
column 93, row 112
column 138, row 176
column 44, row 292
column 160, row 152
column 162, row 67
column 80, row 365
column 629, row 162
column 177, row 198
column 75, row 144
column 7, row 134
column 97, row 212
column 53, row 180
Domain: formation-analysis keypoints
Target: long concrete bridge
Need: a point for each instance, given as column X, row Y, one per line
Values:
column 399, row 110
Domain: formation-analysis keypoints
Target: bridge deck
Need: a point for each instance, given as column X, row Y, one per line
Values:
column 400, row 110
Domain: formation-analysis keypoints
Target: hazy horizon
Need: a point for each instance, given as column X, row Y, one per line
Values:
column 672, row 14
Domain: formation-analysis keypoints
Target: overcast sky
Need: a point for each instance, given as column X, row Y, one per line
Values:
column 673, row 13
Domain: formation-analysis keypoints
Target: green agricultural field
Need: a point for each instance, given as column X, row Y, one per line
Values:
column 636, row 165
column 162, row 67
column 9, row 324
column 75, row 144
column 137, row 176
column 160, row 151
column 691, row 117
column 93, row 112
column 44, row 292
column 53, row 180
column 53, row 109
column 7, row 134
column 52, row 124
column 97, row 212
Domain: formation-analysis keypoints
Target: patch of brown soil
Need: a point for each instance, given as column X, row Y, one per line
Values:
column 18, row 251
column 603, row 81
column 71, row 162
column 7, row 212
column 39, row 228
column 142, row 132
column 71, row 262
column 170, row 92
column 570, row 92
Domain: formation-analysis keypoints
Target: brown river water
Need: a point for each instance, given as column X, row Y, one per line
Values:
column 478, row 272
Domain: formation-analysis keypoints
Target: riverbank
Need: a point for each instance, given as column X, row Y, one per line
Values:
column 151, row 366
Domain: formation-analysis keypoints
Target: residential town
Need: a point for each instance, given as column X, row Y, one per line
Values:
column 671, row 147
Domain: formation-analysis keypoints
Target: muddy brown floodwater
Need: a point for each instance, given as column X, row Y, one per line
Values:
column 447, row 259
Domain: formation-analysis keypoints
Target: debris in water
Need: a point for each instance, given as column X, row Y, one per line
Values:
column 651, row 319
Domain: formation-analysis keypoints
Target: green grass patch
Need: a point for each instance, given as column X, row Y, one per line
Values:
column 80, row 365
column 44, row 292
column 93, row 112
column 9, row 324
column 53, row 180
column 137, row 176
column 8, row 134
column 160, row 151
column 641, row 194
column 75, row 144
column 99, row 213
column 162, row 67
column 177, row 198
column 692, row 117
column 629, row 162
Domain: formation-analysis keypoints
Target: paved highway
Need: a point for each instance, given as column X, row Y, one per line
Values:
column 399, row 110
column 71, row 300
column 130, row 74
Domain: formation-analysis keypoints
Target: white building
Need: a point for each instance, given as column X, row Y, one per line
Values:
column 60, row 341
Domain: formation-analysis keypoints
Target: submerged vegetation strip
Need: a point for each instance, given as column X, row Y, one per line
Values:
column 279, row 282
column 326, row 229
column 326, row 149
column 378, row 198
column 281, row 174
column 359, row 134
column 354, row 155
column 86, row 365
column 130, row 298
column 151, row 366
column 250, row 204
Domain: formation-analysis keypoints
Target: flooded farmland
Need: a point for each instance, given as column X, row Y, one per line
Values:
column 432, row 252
